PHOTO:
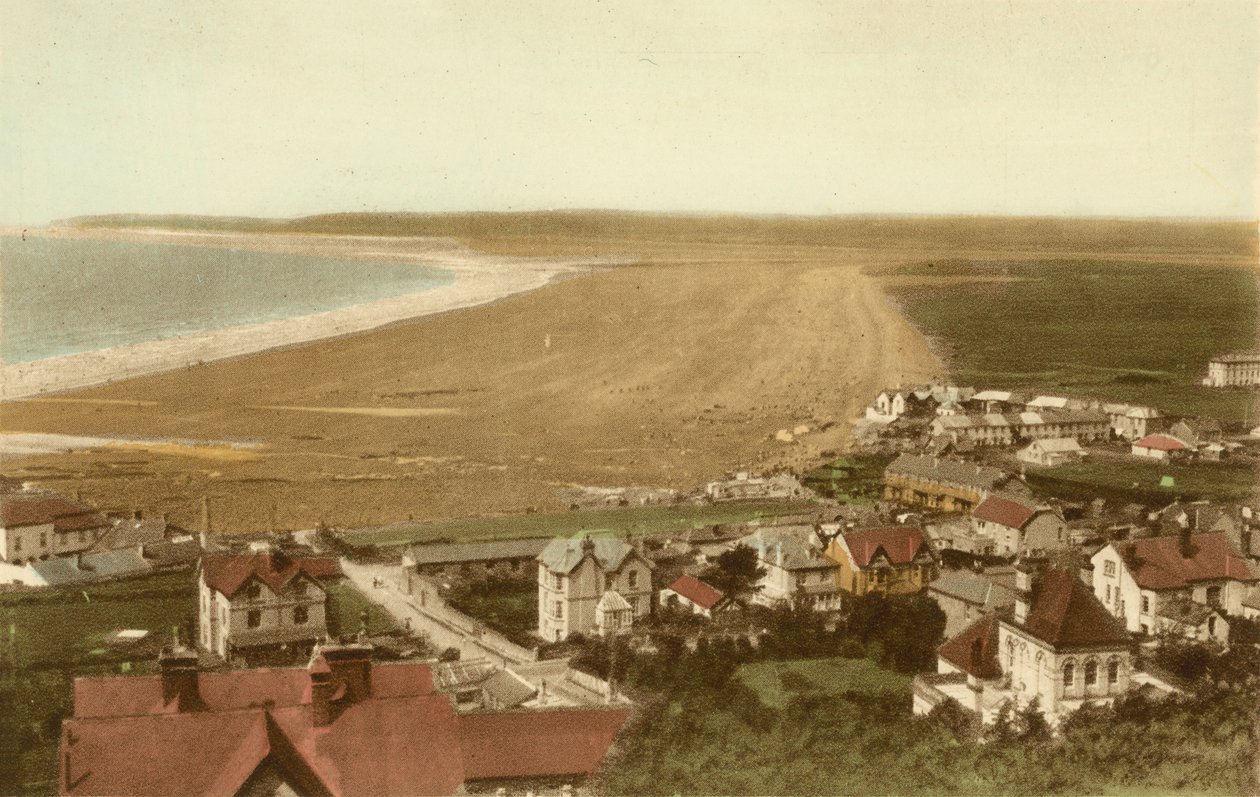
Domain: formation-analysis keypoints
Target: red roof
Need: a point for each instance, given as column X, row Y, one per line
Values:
column 226, row 573
column 974, row 650
column 538, row 743
column 1004, row 512
column 36, row 509
column 696, row 591
column 899, row 543
column 1159, row 563
column 1160, row 442
column 1066, row 614
column 401, row 738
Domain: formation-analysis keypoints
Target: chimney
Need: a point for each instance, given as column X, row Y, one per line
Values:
column 351, row 667
column 1186, row 543
column 1025, row 573
column 178, row 665
column 322, row 692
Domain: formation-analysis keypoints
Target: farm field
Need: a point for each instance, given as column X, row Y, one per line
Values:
column 1140, row 482
column 1125, row 331
column 622, row 521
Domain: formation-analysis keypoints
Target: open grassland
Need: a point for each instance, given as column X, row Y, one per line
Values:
column 668, row 372
column 1140, row 482
column 1125, row 331
column 620, row 522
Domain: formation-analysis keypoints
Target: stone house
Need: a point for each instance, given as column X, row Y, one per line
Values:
column 600, row 585
column 1017, row 527
column 471, row 560
column 1241, row 369
column 258, row 607
column 1133, row 423
column 944, row 485
column 1196, row 432
column 37, row 525
column 1133, row 579
column 1051, row 452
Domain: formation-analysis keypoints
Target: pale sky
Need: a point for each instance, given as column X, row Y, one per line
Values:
column 285, row 109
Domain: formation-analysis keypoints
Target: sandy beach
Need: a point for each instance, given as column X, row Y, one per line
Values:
column 479, row 278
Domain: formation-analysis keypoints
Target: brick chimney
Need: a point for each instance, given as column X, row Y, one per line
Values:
column 178, row 665
column 1186, row 543
column 1026, row 570
column 341, row 675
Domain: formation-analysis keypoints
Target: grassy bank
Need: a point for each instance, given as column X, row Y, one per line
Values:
column 635, row 521
column 1125, row 331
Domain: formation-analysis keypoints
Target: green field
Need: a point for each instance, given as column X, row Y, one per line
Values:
column 344, row 612
column 1139, row 482
column 635, row 521
column 777, row 682
column 1137, row 332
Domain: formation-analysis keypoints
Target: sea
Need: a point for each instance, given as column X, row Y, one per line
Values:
column 66, row 296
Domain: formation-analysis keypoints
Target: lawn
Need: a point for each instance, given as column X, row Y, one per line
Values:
column 344, row 612
column 1139, row 482
column 777, row 682
column 636, row 521
column 1138, row 332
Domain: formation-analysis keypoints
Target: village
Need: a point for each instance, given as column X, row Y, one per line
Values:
column 515, row 656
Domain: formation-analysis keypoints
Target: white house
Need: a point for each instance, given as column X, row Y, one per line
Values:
column 888, row 407
column 1234, row 370
column 37, row 525
column 1051, row 452
column 253, row 606
column 601, row 584
column 1133, row 423
column 796, row 569
column 1017, row 527
column 1060, row 646
column 1160, row 447
column 1133, row 579
column 694, row 595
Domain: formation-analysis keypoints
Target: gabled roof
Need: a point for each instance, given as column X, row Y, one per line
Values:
column 1184, row 611
column 64, row 570
column 518, row 744
column 37, row 509
column 696, row 591
column 455, row 553
column 1065, row 613
column 611, row 601
column 946, row 471
column 1160, row 442
column 900, row 544
column 1004, row 512
column 509, row 689
column 227, row 573
column 771, row 543
column 1057, row 445
column 973, row 588
column 974, row 650
column 1159, row 562
column 991, row 395
column 562, row 555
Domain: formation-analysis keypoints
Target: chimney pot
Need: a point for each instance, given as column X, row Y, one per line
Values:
column 178, row 666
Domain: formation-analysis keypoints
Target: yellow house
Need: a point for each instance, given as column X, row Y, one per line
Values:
column 895, row 561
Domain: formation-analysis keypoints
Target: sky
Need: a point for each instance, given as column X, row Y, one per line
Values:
column 292, row 108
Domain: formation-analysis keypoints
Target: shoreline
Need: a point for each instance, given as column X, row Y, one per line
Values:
column 479, row 279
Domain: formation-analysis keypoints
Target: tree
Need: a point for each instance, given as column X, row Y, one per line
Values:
column 735, row 572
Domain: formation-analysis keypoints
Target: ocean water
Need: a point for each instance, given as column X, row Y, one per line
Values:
column 61, row 296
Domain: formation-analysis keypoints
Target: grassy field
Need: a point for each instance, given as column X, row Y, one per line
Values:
column 635, row 521
column 777, row 682
column 1126, row 331
column 344, row 612
column 1139, row 482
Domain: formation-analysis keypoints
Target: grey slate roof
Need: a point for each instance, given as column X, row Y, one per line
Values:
column 947, row 471
column 974, row 589
column 508, row 689
column 562, row 555
column 797, row 555
column 460, row 553
column 95, row 566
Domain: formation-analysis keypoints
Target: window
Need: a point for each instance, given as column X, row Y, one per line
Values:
column 300, row 616
column 1212, row 625
column 1146, row 604
column 1214, row 596
column 557, row 581
column 1069, row 675
column 557, row 611
column 253, row 592
column 1091, row 672
column 1108, row 594
column 1109, row 568
column 633, row 579
column 17, row 544
column 254, row 618
column 1113, row 671
column 43, row 539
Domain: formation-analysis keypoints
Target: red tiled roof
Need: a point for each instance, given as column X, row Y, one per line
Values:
column 37, row 509
column 1158, row 563
column 226, row 573
column 1004, row 512
column 696, row 591
column 538, row 743
column 978, row 660
column 1066, row 614
column 1160, row 442
column 899, row 544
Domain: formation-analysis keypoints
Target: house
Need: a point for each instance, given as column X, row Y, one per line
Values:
column 1133, row 579
column 1051, row 452
column 342, row 725
column 965, row 596
column 744, row 487
column 797, row 571
column 889, row 405
column 1237, row 521
column 1133, row 423
column 1240, row 369
column 893, row 561
column 998, row 401
column 1059, row 646
column 1087, row 425
column 1182, row 617
column 980, row 430
column 1251, row 603
column 1196, row 432
column 470, row 559
column 1018, row 527
column 694, row 595
column 1160, row 447
column 262, row 606
column 945, row 485
column 37, row 525
column 601, row 584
